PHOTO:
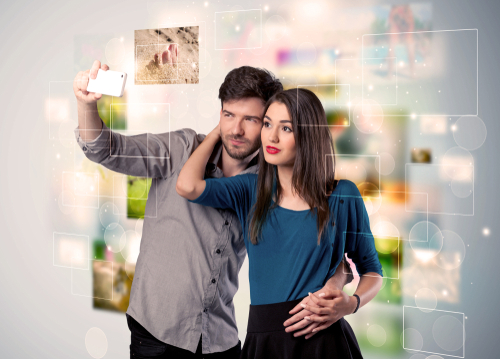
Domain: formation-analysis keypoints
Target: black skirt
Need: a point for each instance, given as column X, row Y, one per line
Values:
column 266, row 337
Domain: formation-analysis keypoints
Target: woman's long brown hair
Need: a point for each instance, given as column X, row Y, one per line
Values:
column 313, row 177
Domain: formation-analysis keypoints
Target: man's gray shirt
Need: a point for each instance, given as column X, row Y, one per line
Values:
column 187, row 271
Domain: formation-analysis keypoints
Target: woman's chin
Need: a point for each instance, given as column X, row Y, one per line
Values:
column 271, row 160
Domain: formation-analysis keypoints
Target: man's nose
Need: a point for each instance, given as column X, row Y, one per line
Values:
column 238, row 129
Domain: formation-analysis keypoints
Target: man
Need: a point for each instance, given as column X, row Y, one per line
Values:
column 181, row 303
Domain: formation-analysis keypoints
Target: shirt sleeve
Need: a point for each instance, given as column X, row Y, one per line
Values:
column 228, row 192
column 144, row 155
column 360, row 244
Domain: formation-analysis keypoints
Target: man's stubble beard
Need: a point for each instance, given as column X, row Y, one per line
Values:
column 241, row 154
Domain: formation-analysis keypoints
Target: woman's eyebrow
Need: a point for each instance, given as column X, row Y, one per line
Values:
column 282, row 121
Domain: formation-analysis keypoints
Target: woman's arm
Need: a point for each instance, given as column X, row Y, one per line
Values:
column 368, row 287
column 332, row 289
column 328, row 309
column 191, row 183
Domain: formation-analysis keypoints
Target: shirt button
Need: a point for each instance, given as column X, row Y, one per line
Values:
column 217, row 251
column 226, row 223
column 205, row 310
column 84, row 148
column 341, row 201
column 213, row 280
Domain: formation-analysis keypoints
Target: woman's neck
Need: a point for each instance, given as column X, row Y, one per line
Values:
column 285, row 174
column 289, row 199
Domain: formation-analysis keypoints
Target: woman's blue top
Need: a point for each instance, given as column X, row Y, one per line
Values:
column 287, row 263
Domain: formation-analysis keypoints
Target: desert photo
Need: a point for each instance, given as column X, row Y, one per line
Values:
column 167, row 56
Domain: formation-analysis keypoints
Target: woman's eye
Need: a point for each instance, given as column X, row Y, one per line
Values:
column 266, row 124
column 287, row 129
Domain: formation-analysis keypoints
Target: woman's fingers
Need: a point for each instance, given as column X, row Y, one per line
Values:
column 306, row 330
column 323, row 326
column 299, row 307
column 299, row 316
column 316, row 310
column 318, row 318
column 303, row 323
column 320, row 301
column 319, row 328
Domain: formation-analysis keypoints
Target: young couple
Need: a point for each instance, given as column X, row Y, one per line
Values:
column 295, row 223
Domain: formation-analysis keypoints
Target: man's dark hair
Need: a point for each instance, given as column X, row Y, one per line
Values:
column 247, row 81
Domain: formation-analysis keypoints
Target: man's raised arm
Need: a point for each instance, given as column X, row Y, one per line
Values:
column 145, row 155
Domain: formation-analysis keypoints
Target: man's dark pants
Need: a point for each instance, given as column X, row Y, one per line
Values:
column 144, row 345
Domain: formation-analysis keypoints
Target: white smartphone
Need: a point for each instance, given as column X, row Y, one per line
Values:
column 108, row 83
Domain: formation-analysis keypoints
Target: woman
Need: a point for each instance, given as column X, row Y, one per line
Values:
column 297, row 225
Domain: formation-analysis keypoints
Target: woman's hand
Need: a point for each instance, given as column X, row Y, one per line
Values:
column 327, row 310
column 215, row 133
column 318, row 311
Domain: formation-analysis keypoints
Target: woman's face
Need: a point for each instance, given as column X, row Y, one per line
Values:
column 278, row 141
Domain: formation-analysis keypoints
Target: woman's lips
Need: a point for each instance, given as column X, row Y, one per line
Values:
column 272, row 150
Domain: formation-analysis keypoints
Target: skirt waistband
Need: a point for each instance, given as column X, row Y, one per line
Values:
column 270, row 317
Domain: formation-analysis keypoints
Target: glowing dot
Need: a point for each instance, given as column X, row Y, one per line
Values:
column 445, row 292
column 486, row 231
column 453, row 128
column 58, row 156
column 401, row 64
column 266, row 8
column 91, row 188
column 206, row 3
column 370, row 87
column 237, row 27
column 109, row 247
column 413, row 116
column 121, row 39
column 154, row 109
column 337, row 52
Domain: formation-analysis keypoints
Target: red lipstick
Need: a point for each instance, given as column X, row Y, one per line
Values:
column 272, row 150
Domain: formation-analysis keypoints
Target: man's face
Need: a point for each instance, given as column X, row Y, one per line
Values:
column 240, row 126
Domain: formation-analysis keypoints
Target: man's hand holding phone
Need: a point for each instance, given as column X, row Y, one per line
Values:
column 82, row 80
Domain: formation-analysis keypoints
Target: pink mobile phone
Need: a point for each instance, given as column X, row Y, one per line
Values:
column 108, row 83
